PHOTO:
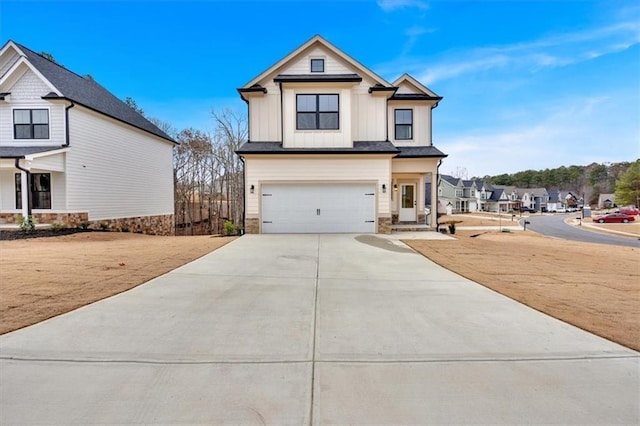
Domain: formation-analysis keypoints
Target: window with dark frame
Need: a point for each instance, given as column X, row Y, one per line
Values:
column 317, row 112
column 40, row 190
column 404, row 124
column 317, row 65
column 31, row 124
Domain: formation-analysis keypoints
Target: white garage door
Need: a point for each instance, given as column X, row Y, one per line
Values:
column 321, row 208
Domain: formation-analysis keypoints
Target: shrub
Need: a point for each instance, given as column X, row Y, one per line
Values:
column 229, row 228
column 103, row 226
column 27, row 224
column 452, row 228
column 84, row 225
column 58, row 226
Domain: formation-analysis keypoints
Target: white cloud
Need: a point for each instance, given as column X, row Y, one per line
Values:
column 392, row 5
column 577, row 131
column 551, row 51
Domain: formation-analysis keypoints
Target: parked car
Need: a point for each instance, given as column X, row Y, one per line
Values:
column 559, row 210
column 614, row 218
column 527, row 210
column 631, row 211
column 571, row 209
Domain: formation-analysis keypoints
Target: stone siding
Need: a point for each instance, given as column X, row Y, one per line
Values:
column 384, row 225
column 394, row 219
column 151, row 225
column 251, row 226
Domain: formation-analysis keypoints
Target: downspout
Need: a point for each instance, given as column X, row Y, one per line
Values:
column 28, row 184
column 437, row 203
column 66, row 122
column 281, row 114
column 244, row 195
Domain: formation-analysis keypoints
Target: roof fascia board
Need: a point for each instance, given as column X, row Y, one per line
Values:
column 416, row 83
column 306, row 45
column 114, row 118
column 25, row 61
column 45, row 153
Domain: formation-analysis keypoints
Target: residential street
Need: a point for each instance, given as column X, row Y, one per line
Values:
column 313, row 329
column 554, row 226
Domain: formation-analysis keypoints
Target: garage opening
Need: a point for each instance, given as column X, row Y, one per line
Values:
column 318, row 208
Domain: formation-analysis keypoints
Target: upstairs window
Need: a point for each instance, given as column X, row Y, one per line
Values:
column 404, row 124
column 317, row 65
column 40, row 190
column 31, row 124
column 317, row 112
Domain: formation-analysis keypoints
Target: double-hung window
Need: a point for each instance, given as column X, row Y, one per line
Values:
column 317, row 112
column 31, row 124
column 40, row 190
column 404, row 124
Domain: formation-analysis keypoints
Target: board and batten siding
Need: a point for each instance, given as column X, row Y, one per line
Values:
column 421, row 123
column 115, row 170
column 7, row 190
column 294, row 138
column 301, row 169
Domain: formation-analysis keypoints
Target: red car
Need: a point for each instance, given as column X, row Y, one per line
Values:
column 614, row 218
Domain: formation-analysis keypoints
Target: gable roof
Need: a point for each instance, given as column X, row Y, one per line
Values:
column 425, row 93
column 86, row 92
column 317, row 39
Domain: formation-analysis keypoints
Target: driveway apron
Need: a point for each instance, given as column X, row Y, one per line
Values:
column 313, row 329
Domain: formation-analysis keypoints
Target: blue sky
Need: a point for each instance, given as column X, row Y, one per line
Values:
column 526, row 84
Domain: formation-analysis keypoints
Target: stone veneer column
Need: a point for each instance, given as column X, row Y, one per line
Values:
column 384, row 225
column 251, row 226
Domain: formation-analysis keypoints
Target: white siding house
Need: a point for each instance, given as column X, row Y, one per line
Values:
column 71, row 152
column 333, row 147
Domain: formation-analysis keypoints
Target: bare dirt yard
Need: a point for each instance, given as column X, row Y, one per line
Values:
column 44, row 277
column 592, row 286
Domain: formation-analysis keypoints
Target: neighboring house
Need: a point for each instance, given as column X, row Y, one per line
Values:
column 606, row 201
column 571, row 200
column 333, row 147
column 458, row 195
column 556, row 200
column 71, row 152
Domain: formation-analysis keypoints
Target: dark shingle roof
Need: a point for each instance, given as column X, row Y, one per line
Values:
column 90, row 94
column 375, row 147
column 21, row 151
column 414, row 97
column 452, row 180
column 420, row 152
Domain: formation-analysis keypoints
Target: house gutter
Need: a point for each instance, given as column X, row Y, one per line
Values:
column 281, row 114
column 28, row 174
column 66, row 122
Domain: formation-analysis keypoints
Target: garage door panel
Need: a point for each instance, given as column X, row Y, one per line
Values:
column 316, row 208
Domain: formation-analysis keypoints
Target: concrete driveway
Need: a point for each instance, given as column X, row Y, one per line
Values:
column 308, row 329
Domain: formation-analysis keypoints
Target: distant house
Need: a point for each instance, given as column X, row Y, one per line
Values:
column 71, row 152
column 606, row 201
column 556, row 200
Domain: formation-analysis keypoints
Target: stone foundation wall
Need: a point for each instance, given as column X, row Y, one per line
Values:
column 384, row 225
column 251, row 226
column 422, row 218
column 394, row 219
column 72, row 220
column 152, row 225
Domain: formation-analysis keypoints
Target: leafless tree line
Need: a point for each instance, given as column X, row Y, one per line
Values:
column 208, row 177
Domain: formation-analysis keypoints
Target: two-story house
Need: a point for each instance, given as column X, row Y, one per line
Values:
column 71, row 152
column 334, row 147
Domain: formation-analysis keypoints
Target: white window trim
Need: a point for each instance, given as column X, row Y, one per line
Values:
column 30, row 106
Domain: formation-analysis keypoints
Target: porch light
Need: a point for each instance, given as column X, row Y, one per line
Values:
column 395, row 186
column 384, row 188
column 252, row 189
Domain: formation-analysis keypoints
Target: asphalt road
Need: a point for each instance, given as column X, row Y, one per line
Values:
column 554, row 226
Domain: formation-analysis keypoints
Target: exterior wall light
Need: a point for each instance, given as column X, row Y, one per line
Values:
column 252, row 189
column 384, row 188
column 395, row 186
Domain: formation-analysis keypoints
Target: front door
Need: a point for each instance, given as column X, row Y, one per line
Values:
column 407, row 202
